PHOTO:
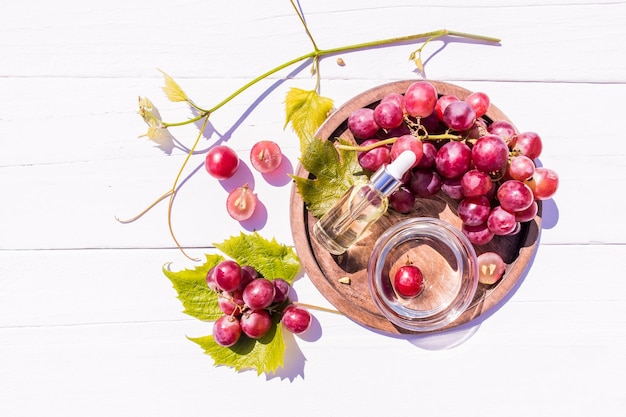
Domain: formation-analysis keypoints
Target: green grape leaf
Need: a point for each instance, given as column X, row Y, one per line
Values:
column 306, row 110
column 270, row 258
column 265, row 354
column 334, row 172
column 198, row 299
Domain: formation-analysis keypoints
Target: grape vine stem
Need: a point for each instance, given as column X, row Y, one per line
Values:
column 316, row 55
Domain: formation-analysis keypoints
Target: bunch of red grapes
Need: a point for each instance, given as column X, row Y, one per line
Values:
column 487, row 166
column 251, row 304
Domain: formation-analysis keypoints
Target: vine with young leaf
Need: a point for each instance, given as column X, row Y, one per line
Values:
column 335, row 168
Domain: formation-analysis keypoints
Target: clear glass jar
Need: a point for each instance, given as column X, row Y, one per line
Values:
column 448, row 264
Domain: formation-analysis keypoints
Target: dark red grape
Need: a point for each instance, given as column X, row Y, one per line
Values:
column 459, row 115
column 226, row 331
column 424, row 183
column 402, row 200
column 256, row 323
column 282, row 290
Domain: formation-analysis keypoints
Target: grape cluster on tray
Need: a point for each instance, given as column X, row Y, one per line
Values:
column 251, row 304
column 486, row 165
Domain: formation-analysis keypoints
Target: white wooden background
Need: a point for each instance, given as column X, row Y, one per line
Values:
column 89, row 326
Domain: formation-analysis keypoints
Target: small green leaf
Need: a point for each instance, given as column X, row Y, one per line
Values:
column 198, row 299
column 172, row 90
column 265, row 354
column 270, row 258
column 334, row 171
column 306, row 111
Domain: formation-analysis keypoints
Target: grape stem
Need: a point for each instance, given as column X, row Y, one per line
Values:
column 316, row 54
column 318, row 308
column 390, row 141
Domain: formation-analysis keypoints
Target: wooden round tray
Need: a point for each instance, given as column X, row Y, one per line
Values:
column 353, row 299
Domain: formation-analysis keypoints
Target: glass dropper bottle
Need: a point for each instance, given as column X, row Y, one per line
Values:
column 361, row 206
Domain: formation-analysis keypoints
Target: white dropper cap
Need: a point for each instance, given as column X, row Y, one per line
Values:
column 389, row 178
column 401, row 164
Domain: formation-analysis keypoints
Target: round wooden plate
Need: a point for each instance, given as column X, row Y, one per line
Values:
column 353, row 299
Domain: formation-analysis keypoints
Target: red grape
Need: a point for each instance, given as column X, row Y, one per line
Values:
column 420, row 99
column 424, row 183
column 221, row 162
column 231, row 304
column 474, row 211
column 228, row 275
column 453, row 159
column 442, row 103
column 241, row 203
column 504, row 129
column 478, row 235
column 259, row 293
column 256, row 323
column 459, row 115
column 475, row 183
column 479, row 102
column 282, row 290
column 407, row 142
column 296, row 319
column 396, row 98
column 514, row 196
column 408, row 281
column 528, row 143
column 265, row 156
column 388, row 114
column 429, row 153
column 501, row 222
column 544, row 183
column 452, row 188
column 520, row 168
column 210, row 280
column 375, row 158
column 527, row 215
column 226, row 331
column 362, row 124
column 490, row 267
column 248, row 273
column 402, row 200
column 490, row 154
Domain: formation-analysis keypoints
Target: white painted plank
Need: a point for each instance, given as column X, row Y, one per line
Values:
column 544, row 41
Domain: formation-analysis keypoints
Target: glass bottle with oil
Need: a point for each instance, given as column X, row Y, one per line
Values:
column 361, row 206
